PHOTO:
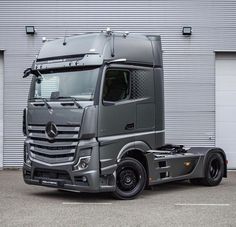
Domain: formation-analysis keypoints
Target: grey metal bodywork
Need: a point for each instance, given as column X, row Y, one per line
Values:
column 101, row 130
column 175, row 168
column 136, row 48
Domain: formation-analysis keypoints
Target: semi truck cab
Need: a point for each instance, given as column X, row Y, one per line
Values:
column 95, row 119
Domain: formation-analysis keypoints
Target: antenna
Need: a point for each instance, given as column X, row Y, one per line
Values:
column 64, row 41
column 113, row 45
column 111, row 33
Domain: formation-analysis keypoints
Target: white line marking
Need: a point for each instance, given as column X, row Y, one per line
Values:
column 78, row 203
column 201, row 204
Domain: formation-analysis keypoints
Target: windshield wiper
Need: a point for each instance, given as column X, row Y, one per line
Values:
column 72, row 98
column 45, row 102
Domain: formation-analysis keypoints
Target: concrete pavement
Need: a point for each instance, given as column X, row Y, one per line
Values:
column 175, row 204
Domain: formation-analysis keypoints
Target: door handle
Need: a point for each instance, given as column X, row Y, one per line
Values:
column 129, row 126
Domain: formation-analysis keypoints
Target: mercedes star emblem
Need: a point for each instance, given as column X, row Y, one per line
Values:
column 51, row 130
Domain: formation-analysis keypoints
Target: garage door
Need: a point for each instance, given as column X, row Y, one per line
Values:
column 1, row 110
column 226, row 105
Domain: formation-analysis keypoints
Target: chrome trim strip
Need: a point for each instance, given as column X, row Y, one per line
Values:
column 51, row 165
column 52, row 152
column 108, row 139
column 56, row 144
column 109, row 167
column 60, row 136
column 60, row 128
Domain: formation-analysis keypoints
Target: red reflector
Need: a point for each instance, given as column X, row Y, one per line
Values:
column 226, row 162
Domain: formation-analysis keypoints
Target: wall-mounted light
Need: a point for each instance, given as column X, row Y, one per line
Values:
column 187, row 30
column 30, row 30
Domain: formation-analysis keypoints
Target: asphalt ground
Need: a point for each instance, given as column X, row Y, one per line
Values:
column 173, row 204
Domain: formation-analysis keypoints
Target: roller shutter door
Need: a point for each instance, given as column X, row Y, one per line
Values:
column 226, row 105
column 1, row 110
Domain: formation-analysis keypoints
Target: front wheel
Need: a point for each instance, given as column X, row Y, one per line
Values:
column 130, row 179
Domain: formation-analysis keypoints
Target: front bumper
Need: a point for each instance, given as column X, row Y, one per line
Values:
column 63, row 176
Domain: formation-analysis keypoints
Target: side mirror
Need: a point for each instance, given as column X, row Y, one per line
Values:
column 55, row 95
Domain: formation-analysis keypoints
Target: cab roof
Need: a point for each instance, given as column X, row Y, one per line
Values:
column 136, row 48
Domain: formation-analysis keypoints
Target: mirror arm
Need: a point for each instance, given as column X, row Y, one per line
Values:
column 29, row 71
column 108, row 103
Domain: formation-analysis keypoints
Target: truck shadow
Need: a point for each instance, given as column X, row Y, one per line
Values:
column 70, row 196
column 172, row 187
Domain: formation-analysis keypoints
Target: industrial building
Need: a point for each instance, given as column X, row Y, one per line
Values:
column 199, row 51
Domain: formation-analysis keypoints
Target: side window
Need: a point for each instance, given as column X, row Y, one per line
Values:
column 142, row 84
column 116, row 85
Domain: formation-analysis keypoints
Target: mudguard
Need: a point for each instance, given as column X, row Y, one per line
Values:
column 137, row 145
column 206, row 151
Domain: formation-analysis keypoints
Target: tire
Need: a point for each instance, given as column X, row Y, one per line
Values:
column 214, row 170
column 130, row 179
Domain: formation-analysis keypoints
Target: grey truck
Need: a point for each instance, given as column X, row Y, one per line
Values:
column 95, row 119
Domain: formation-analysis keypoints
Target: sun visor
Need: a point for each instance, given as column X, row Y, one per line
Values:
column 72, row 62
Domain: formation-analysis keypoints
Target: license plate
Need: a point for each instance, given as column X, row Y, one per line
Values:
column 50, row 183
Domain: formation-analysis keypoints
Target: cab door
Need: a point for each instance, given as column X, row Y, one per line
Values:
column 116, row 110
column 117, row 114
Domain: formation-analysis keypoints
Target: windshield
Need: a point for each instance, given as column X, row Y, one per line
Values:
column 78, row 84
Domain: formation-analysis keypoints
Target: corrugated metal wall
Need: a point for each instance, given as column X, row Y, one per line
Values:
column 188, row 61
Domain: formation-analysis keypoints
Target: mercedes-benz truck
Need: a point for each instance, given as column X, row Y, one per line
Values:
column 95, row 119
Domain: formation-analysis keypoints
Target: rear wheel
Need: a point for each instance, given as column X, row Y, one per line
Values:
column 130, row 179
column 214, row 171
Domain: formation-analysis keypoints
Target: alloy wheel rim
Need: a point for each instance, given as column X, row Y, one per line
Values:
column 214, row 168
column 127, row 179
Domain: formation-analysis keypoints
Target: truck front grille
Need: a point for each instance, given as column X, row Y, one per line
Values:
column 59, row 150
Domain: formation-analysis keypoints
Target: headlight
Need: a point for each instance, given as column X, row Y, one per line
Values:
column 82, row 163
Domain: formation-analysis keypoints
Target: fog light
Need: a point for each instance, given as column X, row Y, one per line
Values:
column 82, row 163
column 84, row 179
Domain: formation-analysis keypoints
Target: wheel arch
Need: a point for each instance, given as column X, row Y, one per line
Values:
column 136, row 150
column 222, row 153
column 208, row 150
